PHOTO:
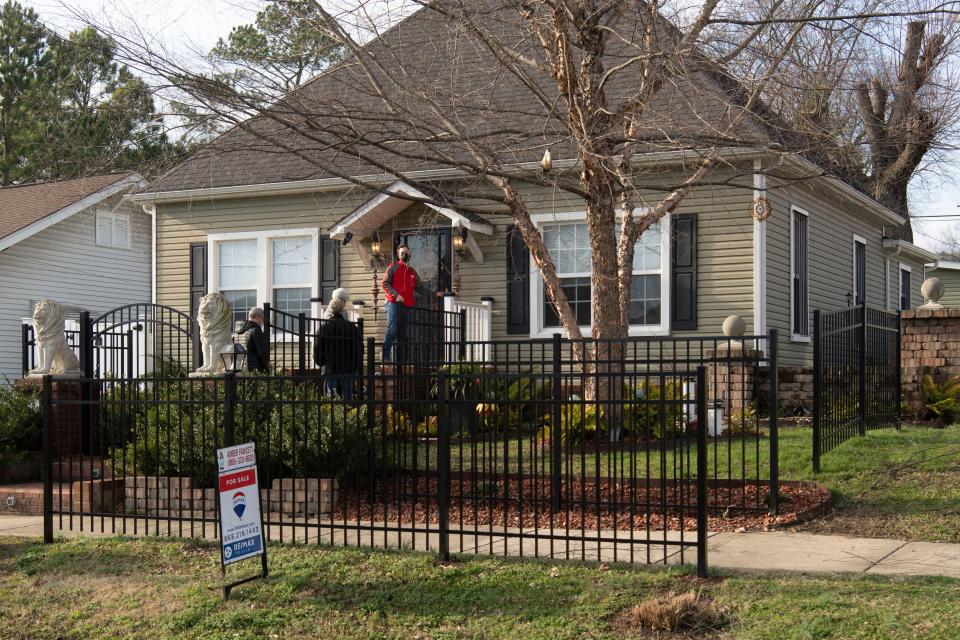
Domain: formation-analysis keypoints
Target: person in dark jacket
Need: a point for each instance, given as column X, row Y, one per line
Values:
column 400, row 282
column 251, row 337
column 337, row 347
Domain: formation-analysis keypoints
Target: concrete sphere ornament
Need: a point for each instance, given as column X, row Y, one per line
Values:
column 932, row 291
column 734, row 326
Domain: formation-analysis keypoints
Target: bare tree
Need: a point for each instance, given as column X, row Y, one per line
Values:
column 875, row 111
column 572, row 95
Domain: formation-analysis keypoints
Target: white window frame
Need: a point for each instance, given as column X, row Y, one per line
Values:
column 264, row 281
column 908, row 269
column 113, row 216
column 537, row 330
column 795, row 211
column 858, row 239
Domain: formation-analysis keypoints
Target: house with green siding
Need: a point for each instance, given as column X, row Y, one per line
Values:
column 948, row 272
column 769, row 237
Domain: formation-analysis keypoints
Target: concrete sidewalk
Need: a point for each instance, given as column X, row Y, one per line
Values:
column 755, row 551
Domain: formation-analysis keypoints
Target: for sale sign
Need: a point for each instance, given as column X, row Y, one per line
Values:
column 241, row 527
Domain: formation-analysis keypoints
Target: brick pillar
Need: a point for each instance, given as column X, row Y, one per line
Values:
column 730, row 376
column 67, row 432
column 929, row 345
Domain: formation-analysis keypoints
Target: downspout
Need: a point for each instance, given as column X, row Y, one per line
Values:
column 886, row 273
column 151, row 210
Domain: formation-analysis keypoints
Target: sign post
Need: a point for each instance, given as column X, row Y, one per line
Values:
column 241, row 521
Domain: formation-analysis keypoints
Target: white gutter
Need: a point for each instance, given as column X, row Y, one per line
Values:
column 378, row 180
column 151, row 210
column 910, row 249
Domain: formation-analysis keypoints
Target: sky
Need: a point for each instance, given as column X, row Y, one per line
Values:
column 197, row 24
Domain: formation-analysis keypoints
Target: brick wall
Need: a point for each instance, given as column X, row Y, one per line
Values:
column 930, row 345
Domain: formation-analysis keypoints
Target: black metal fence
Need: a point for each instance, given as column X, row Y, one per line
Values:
column 594, row 450
column 145, row 339
column 856, row 375
column 127, row 342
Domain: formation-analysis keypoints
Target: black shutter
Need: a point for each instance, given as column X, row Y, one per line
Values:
column 198, row 275
column 683, row 273
column 329, row 268
column 518, row 284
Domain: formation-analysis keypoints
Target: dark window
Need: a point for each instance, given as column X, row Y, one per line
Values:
column 799, row 277
column 859, row 272
column 578, row 294
column 904, row 289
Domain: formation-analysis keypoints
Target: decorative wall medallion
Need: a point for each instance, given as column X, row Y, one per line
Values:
column 762, row 209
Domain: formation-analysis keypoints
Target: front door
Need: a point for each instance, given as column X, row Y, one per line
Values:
column 431, row 259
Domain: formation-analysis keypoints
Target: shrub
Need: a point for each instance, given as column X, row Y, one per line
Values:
column 645, row 411
column 942, row 400
column 641, row 414
column 743, row 422
column 298, row 433
column 21, row 421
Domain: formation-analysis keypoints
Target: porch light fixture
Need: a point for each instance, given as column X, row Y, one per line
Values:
column 235, row 360
column 460, row 243
column 375, row 246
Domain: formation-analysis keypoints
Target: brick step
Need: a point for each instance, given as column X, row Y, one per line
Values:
column 27, row 498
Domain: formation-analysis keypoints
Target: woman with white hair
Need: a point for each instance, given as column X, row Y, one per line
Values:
column 337, row 347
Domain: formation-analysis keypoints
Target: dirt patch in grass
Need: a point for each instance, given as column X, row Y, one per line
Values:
column 672, row 616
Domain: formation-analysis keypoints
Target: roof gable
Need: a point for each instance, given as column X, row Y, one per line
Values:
column 28, row 209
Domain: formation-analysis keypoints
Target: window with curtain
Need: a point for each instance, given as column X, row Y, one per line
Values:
column 238, row 275
column 569, row 246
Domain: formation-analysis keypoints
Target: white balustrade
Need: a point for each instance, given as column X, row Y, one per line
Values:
column 479, row 328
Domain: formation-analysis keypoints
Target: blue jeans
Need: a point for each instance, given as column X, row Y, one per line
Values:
column 395, row 318
column 341, row 386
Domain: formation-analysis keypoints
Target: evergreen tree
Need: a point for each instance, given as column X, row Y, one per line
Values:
column 24, row 65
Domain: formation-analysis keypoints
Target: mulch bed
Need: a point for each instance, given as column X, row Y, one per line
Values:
column 586, row 505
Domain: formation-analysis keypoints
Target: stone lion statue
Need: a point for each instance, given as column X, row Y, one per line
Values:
column 214, row 317
column 54, row 354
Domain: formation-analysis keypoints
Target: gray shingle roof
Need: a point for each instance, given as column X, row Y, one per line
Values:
column 452, row 69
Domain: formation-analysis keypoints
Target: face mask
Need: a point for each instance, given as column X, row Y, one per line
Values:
column 405, row 257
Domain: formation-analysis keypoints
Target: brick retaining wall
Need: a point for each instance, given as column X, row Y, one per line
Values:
column 176, row 497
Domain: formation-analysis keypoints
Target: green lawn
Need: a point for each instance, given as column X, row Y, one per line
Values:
column 899, row 484
column 113, row 588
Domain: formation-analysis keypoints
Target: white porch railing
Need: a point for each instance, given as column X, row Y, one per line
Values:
column 479, row 327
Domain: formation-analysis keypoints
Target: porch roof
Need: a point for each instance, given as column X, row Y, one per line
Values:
column 372, row 214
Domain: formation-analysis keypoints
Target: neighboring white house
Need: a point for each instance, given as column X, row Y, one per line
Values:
column 76, row 241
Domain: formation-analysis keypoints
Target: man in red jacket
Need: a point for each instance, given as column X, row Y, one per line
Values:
column 400, row 280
